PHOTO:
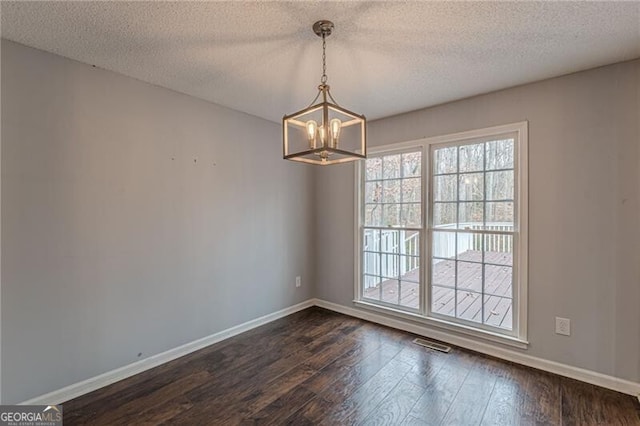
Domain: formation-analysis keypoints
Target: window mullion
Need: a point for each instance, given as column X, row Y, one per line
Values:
column 380, row 281
column 455, row 286
column 484, row 219
column 401, row 234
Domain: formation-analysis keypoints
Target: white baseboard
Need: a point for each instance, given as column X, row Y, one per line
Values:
column 598, row 379
column 77, row 389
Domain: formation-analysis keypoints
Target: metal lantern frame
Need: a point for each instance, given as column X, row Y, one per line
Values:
column 328, row 107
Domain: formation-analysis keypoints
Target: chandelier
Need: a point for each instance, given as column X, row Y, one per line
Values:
column 324, row 133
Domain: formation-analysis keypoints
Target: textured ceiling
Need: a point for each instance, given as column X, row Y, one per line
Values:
column 384, row 57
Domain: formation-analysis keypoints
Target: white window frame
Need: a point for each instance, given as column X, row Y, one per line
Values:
column 518, row 335
column 360, row 179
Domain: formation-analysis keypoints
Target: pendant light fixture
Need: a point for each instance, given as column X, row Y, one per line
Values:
column 324, row 133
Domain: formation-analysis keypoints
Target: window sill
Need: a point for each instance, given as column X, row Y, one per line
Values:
column 445, row 325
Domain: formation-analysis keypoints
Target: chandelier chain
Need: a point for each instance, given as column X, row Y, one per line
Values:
column 323, row 80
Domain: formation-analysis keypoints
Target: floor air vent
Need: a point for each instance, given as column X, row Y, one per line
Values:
column 432, row 345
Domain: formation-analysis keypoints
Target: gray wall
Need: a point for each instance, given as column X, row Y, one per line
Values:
column 135, row 219
column 584, row 220
column 115, row 242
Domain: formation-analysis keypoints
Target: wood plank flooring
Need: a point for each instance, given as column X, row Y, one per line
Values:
column 319, row 367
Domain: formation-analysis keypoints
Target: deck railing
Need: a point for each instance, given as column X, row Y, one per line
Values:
column 398, row 254
column 444, row 243
column 493, row 242
column 399, row 250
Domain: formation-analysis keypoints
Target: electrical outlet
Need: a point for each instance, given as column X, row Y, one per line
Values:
column 298, row 281
column 563, row 326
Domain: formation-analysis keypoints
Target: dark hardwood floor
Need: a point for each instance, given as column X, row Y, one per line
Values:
column 319, row 367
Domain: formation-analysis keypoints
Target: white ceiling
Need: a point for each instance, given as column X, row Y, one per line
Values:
column 384, row 58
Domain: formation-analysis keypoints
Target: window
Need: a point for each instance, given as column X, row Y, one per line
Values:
column 442, row 230
column 392, row 229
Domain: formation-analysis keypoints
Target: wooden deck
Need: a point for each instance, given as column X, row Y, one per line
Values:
column 467, row 303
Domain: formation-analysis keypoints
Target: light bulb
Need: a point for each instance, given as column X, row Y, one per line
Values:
column 335, row 126
column 312, row 128
column 322, row 130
